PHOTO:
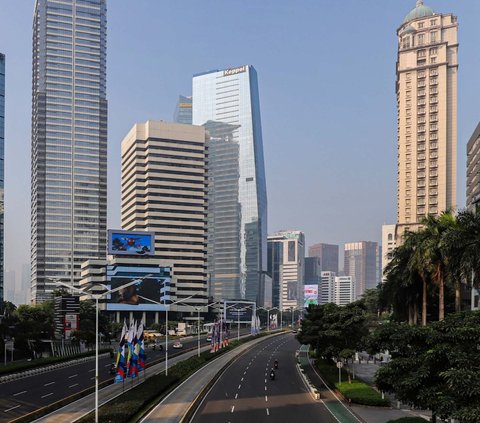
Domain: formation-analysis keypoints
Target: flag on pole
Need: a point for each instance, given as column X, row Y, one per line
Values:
column 120, row 363
column 140, row 347
column 252, row 325
column 134, row 366
column 129, row 347
column 212, row 340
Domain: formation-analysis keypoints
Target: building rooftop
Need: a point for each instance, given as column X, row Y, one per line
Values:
column 420, row 11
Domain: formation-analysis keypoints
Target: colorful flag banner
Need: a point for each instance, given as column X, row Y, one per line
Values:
column 120, row 363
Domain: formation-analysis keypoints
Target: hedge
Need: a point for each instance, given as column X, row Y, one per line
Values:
column 408, row 420
column 329, row 372
column 361, row 393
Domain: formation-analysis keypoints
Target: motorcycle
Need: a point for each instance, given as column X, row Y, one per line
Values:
column 272, row 375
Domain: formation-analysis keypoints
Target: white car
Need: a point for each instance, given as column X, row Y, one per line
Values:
column 177, row 345
column 209, row 338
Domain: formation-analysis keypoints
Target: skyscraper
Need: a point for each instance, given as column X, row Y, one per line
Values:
column 360, row 262
column 231, row 97
column 2, row 170
column 289, row 265
column 183, row 110
column 69, row 140
column 473, row 169
column 327, row 288
column 328, row 254
column 344, row 290
column 164, row 189
column 427, row 115
column 388, row 245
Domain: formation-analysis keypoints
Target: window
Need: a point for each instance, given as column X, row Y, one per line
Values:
column 420, row 25
column 291, row 250
column 406, row 42
column 421, row 53
column 433, row 22
column 433, row 60
column 433, row 51
column 433, row 36
column 421, row 38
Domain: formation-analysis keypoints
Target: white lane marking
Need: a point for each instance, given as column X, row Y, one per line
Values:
column 239, row 386
column 245, row 372
column 268, row 412
column 91, row 370
column 45, row 396
column 265, row 380
column 49, row 383
column 75, row 375
column 75, row 384
column 266, row 398
column 241, row 380
column 92, row 378
column 107, row 365
column 265, row 388
column 236, row 395
column 11, row 408
column 233, row 408
column 19, row 393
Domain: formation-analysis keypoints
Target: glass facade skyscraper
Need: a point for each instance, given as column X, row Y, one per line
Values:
column 69, row 140
column 183, row 110
column 227, row 103
column 2, row 168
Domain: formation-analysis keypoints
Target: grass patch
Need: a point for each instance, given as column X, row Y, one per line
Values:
column 329, row 372
column 408, row 420
column 360, row 393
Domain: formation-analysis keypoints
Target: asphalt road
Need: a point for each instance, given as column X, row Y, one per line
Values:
column 245, row 393
column 23, row 396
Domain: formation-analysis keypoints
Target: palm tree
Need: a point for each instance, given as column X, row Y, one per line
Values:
column 435, row 252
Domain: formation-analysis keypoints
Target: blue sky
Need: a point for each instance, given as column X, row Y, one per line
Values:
column 326, row 75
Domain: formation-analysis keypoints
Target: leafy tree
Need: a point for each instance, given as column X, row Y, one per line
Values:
column 434, row 367
column 86, row 330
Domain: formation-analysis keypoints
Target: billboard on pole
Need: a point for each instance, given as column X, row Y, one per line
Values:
column 310, row 295
column 239, row 310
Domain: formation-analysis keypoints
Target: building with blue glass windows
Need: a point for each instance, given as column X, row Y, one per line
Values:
column 2, row 168
column 183, row 110
column 69, row 141
column 227, row 103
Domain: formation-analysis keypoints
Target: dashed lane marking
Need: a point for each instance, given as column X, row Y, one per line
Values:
column 19, row 393
column 75, row 375
column 236, row 395
column 11, row 408
column 49, row 383
column 233, row 408
column 268, row 412
column 72, row 386
column 45, row 396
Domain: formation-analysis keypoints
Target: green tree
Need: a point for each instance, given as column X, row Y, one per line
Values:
column 433, row 367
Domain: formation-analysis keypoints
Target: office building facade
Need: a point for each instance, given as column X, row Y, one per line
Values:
column 183, row 110
column 345, row 290
column 473, row 169
column 426, row 89
column 231, row 97
column 2, row 172
column 69, row 141
column 328, row 254
column 313, row 270
column 388, row 245
column 164, row 190
column 360, row 262
column 327, row 287
column 288, row 255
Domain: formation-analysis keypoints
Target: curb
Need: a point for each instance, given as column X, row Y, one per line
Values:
column 313, row 390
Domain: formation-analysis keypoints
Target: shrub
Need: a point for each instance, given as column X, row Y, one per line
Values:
column 408, row 420
column 329, row 372
column 361, row 393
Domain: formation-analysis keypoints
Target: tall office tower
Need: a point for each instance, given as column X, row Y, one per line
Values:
column 388, row 245
column 327, row 288
column 164, row 189
column 427, row 115
column 183, row 110
column 231, row 97
column 289, row 264
column 2, row 168
column 345, row 290
column 69, row 140
column 360, row 262
column 378, row 265
column 313, row 270
column 473, row 169
column 328, row 254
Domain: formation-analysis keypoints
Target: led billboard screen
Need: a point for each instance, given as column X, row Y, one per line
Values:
column 310, row 295
column 131, row 243
column 136, row 297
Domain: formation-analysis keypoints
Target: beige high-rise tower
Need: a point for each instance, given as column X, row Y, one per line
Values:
column 427, row 115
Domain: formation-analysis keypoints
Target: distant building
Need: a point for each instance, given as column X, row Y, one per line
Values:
column 183, row 110
column 473, row 169
column 291, row 269
column 274, row 267
column 327, row 288
column 313, row 270
column 344, row 290
column 388, row 245
column 378, row 265
column 164, row 190
column 426, row 87
column 328, row 254
column 360, row 262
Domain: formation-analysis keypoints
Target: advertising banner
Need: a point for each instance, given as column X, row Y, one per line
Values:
column 239, row 310
column 131, row 243
column 292, row 291
column 310, row 295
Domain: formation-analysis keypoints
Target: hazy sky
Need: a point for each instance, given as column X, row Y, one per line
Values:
column 326, row 73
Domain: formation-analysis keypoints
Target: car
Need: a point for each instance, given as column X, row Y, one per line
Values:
column 294, row 331
column 209, row 338
column 177, row 345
